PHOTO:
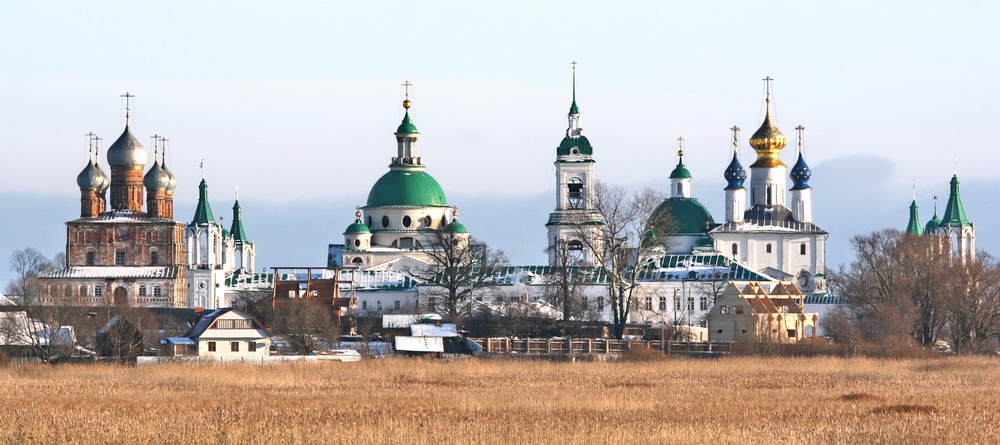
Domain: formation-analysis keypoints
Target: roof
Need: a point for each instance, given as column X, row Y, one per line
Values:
column 357, row 227
column 126, row 151
column 954, row 212
column 406, row 188
column 237, row 231
column 682, row 215
column 126, row 272
column 456, row 227
column 680, row 172
column 700, row 267
column 913, row 225
column 203, row 212
column 762, row 218
column 735, row 174
column 800, row 174
column 407, row 127
column 206, row 321
column 581, row 143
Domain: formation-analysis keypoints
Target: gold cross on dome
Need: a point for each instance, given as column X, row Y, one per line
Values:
column 736, row 137
column 680, row 146
column 406, row 88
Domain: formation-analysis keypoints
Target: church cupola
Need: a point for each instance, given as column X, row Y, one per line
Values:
column 680, row 177
column 575, row 145
column 934, row 222
column 736, row 194
column 93, row 184
column 203, row 211
column 800, row 171
column 406, row 138
column 358, row 236
column 127, row 158
column 913, row 226
column 236, row 230
column 244, row 251
column 156, row 181
column 801, row 201
column 767, row 178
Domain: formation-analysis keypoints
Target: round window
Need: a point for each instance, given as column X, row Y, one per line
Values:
column 385, row 221
column 427, row 220
column 357, row 243
column 406, row 221
column 575, row 151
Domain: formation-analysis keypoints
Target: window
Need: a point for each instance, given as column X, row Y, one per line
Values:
column 690, row 303
column 703, row 303
column 234, row 346
column 649, row 303
column 724, row 310
column 98, row 291
column 90, row 258
column 358, row 260
column 83, row 291
column 142, row 290
column 802, row 249
column 791, row 333
column 767, row 248
column 154, row 258
column 357, row 243
column 585, row 302
column 239, row 323
column 428, row 221
column 663, row 303
column 600, row 302
column 677, row 303
column 769, row 197
column 406, row 243
column 719, row 331
column 211, row 346
column 157, row 291
column 575, row 193
column 364, row 305
column 736, row 249
column 69, row 291
column 744, row 331
column 251, row 346
column 120, row 258
column 379, row 305
column 396, row 305
column 575, row 245
column 680, row 188
column 738, row 310
column 385, row 221
column 431, row 304
column 407, row 221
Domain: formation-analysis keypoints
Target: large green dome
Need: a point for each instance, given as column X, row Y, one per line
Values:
column 681, row 216
column 407, row 188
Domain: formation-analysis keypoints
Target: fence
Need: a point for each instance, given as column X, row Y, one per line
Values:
column 538, row 346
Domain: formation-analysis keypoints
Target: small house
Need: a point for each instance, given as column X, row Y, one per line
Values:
column 761, row 311
column 226, row 332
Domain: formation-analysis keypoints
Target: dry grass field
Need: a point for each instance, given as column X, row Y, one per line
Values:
column 736, row 400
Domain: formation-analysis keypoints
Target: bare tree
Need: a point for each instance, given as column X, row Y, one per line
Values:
column 974, row 305
column 458, row 268
column 563, row 283
column 628, row 243
column 27, row 264
column 307, row 327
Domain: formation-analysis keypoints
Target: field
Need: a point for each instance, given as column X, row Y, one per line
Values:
column 734, row 400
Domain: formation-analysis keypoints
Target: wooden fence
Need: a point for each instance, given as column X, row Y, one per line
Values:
column 539, row 346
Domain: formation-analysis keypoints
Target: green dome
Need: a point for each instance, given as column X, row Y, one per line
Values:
column 680, row 172
column 357, row 227
column 681, row 216
column 407, row 125
column 456, row 227
column 581, row 143
column 406, row 188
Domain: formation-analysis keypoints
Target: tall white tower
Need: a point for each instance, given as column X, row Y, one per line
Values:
column 574, row 228
column 801, row 191
column 736, row 194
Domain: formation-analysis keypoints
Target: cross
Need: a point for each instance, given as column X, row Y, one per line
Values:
column 127, row 96
column 163, row 149
column 767, row 85
column 406, row 88
column 680, row 146
column 574, row 64
column 202, row 166
column 736, row 137
column 156, row 139
column 800, row 129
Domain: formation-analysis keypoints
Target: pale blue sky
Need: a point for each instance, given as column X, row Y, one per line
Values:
column 297, row 101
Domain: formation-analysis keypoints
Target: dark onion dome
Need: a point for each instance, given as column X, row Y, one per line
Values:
column 126, row 151
column 406, row 188
column 92, row 178
column 735, row 174
column 156, row 178
column 800, row 174
column 681, row 216
column 357, row 227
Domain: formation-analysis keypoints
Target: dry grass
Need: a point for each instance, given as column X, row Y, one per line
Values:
column 738, row 400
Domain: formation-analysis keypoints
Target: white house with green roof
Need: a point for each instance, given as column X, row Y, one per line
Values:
column 405, row 209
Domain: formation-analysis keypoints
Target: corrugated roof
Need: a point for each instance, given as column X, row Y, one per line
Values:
column 125, row 272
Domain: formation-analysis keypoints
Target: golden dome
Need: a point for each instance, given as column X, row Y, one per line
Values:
column 768, row 141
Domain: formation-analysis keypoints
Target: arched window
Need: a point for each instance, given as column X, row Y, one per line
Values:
column 385, row 221
column 154, row 258
column 769, row 196
column 406, row 243
column 575, row 193
column 767, row 248
column 83, row 291
column 90, row 258
column 406, row 221
column 575, row 245
column 802, row 249
column 736, row 249
column 142, row 290
column 358, row 260
column 157, row 291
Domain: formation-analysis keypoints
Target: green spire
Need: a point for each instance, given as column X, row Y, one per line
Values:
column 573, row 109
column 203, row 212
column 954, row 213
column 237, row 230
column 913, row 227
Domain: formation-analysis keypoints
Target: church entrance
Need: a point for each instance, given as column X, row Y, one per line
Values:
column 121, row 296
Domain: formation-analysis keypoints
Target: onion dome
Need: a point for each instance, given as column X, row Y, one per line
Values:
column 735, row 174
column 800, row 174
column 933, row 224
column 92, row 178
column 407, row 127
column 173, row 179
column 126, row 151
column 357, row 227
column 156, row 178
column 768, row 141
column 454, row 226
column 680, row 172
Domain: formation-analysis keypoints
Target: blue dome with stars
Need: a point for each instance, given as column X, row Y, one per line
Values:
column 735, row 174
column 800, row 174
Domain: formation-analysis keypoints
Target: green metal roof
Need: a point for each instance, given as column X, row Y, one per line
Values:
column 954, row 212
column 693, row 267
column 456, row 227
column 237, row 229
column 573, row 109
column 913, row 226
column 681, row 216
column 357, row 227
column 406, row 188
column 680, row 172
column 407, row 125
column 580, row 142
column 932, row 225
column 203, row 212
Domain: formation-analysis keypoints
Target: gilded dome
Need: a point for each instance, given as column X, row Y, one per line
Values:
column 126, row 151
column 768, row 142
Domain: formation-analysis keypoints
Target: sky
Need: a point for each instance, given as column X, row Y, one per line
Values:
column 296, row 103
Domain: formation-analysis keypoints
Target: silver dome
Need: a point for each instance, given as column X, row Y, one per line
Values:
column 156, row 178
column 92, row 178
column 173, row 179
column 127, row 151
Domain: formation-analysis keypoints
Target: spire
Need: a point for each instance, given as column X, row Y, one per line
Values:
column 407, row 127
column 954, row 212
column 203, row 211
column 735, row 174
column 575, row 143
column 768, row 140
column 680, row 171
column 913, row 226
column 128, row 107
column 800, row 171
column 573, row 109
column 236, row 231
